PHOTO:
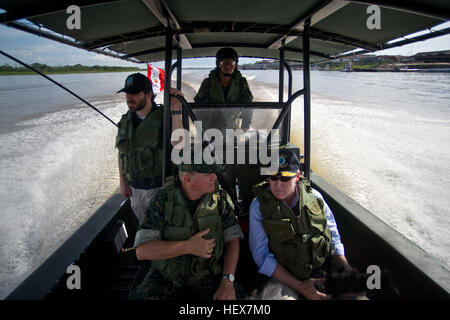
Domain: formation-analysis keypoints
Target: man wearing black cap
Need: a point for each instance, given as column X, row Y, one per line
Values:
column 293, row 232
column 139, row 141
column 226, row 84
column 191, row 234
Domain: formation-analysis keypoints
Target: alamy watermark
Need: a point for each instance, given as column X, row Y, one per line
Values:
column 253, row 141
column 374, row 21
column 374, row 280
column 74, row 20
column 74, row 280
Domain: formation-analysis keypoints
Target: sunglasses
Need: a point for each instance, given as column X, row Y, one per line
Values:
column 283, row 179
column 227, row 62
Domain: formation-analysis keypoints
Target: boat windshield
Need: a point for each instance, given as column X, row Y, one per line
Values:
column 259, row 119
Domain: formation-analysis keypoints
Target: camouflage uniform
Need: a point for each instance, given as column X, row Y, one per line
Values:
column 155, row 286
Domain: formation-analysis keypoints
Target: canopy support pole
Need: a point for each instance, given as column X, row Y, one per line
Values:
column 287, row 119
column 307, row 100
column 167, row 114
column 184, row 114
column 281, row 76
column 179, row 66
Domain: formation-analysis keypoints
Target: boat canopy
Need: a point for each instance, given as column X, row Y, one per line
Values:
column 135, row 30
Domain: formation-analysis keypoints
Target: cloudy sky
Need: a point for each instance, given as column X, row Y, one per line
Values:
column 33, row 49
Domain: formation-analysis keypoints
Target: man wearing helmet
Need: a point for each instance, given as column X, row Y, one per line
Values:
column 226, row 84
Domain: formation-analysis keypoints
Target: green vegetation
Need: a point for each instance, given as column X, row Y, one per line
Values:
column 261, row 65
column 366, row 65
column 336, row 66
column 78, row 68
column 356, row 65
column 268, row 65
column 329, row 65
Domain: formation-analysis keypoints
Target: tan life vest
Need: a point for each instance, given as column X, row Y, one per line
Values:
column 299, row 243
column 179, row 225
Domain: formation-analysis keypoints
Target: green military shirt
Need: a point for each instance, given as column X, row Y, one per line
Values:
column 153, row 222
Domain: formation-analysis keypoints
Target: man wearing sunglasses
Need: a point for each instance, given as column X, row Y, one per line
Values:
column 293, row 233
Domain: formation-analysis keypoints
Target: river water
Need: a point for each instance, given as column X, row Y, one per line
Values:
column 381, row 138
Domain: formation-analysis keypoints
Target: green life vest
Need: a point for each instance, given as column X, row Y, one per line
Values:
column 179, row 225
column 215, row 88
column 215, row 94
column 299, row 243
column 238, row 91
column 140, row 149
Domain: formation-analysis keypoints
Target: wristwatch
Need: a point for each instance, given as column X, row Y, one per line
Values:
column 230, row 277
column 177, row 112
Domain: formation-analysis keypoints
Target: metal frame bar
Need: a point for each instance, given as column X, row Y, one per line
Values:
column 287, row 119
column 184, row 113
column 166, row 117
column 284, row 112
column 293, row 27
column 130, row 36
column 433, row 34
column 161, row 10
column 284, row 134
column 255, row 105
column 179, row 66
column 318, row 34
column 289, row 70
column 281, row 76
column 219, row 44
column 307, row 101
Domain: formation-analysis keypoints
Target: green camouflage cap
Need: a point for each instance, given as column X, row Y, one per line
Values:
column 202, row 167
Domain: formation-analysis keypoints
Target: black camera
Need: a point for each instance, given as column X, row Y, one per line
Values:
column 337, row 283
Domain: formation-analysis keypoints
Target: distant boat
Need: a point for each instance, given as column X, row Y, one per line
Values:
column 406, row 69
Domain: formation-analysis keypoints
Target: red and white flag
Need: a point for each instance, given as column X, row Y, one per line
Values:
column 156, row 76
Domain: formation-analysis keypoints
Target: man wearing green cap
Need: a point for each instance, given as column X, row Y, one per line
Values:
column 139, row 142
column 293, row 233
column 191, row 234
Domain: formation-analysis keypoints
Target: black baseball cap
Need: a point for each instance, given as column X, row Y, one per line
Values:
column 136, row 83
column 288, row 164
